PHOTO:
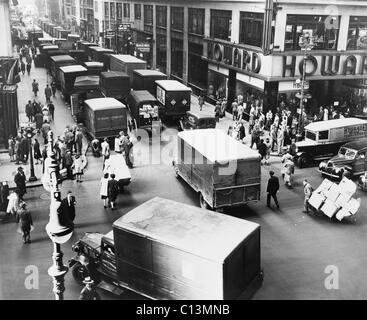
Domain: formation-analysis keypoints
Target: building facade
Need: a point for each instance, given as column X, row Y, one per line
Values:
column 228, row 48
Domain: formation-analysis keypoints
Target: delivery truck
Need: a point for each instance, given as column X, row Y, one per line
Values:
column 165, row 249
column 104, row 117
column 115, row 84
column 94, row 68
column 175, row 98
column 102, row 55
column 126, row 63
column 67, row 76
column 324, row 138
column 221, row 170
column 60, row 61
column 145, row 80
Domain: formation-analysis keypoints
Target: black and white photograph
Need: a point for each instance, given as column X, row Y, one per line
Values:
column 207, row 150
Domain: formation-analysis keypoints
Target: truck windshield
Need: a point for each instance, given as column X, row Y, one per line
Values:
column 311, row 135
column 347, row 153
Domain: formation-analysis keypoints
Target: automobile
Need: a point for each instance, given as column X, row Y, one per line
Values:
column 323, row 139
column 351, row 161
column 165, row 249
column 197, row 120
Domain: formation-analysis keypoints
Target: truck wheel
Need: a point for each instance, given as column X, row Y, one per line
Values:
column 302, row 162
column 79, row 272
column 203, row 203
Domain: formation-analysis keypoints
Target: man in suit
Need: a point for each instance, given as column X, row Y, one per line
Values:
column 20, row 181
column 272, row 189
column 68, row 205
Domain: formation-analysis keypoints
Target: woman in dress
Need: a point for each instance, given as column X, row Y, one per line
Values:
column 37, row 151
column 78, row 167
column 112, row 190
column 104, row 189
column 13, row 204
column 24, row 218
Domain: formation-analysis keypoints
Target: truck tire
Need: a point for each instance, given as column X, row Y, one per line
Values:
column 79, row 272
column 302, row 162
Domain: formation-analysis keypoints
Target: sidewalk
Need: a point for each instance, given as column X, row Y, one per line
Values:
column 62, row 119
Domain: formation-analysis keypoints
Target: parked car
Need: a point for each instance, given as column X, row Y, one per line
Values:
column 223, row 171
column 165, row 249
column 350, row 161
column 324, row 138
column 197, row 120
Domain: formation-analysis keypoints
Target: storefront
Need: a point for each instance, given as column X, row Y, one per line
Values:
column 140, row 45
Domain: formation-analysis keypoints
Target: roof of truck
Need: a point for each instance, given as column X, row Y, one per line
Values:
column 201, row 232
column 142, row 95
column 114, row 74
column 50, row 47
column 91, row 64
column 100, row 49
column 335, row 123
column 74, row 68
column 172, row 85
column 217, row 146
column 127, row 58
column 63, row 57
column 147, row 72
column 104, row 103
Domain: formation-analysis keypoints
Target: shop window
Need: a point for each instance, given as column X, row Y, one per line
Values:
column 357, row 33
column 251, row 28
column 217, row 85
column 127, row 10
column 177, row 17
column 324, row 135
column 220, row 24
column 161, row 16
column 196, row 21
column 137, row 11
column 148, row 15
column 323, row 29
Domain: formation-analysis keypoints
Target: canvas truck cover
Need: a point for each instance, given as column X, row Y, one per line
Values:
column 172, row 85
column 104, row 103
column 126, row 58
column 73, row 69
column 85, row 83
column 201, row 232
column 62, row 59
column 217, row 146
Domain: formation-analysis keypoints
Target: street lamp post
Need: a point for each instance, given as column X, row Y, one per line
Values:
column 30, row 134
column 58, row 228
column 306, row 42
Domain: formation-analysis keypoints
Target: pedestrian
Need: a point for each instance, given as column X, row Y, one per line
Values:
column 201, row 101
column 112, row 190
column 105, row 151
column 288, row 169
column 79, row 141
column 24, row 218
column 326, row 114
column 13, row 202
column 293, row 148
column 20, row 181
column 11, row 145
column 45, row 129
column 242, row 132
column 29, row 111
column 46, row 114
column 234, row 110
column 261, row 147
column 51, row 109
column 272, row 189
column 268, row 150
column 269, row 118
column 307, row 190
column 35, row 88
column 287, row 136
column 217, row 111
column 89, row 292
column 38, row 118
column 104, row 189
column 17, row 150
column 128, row 153
column 29, row 66
column 78, row 167
column 48, row 93
column 255, row 136
column 22, row 67
column 223, row 108
column 68, row 206
column 24, row 147
column 240, row 111
column 53, row 88
column 280, row 140
column 95, row 148
column 37, row 151
column 68, row 164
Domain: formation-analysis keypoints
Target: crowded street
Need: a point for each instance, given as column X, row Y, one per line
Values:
column 75, row 153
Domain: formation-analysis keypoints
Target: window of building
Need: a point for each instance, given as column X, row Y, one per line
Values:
column 96, row 6
column 113, row 10
column 148, row 15
column 220, row 24
column 137, row 11
column 119, row 11
column 177, row 57
column 251, row 28
column 127, row 10
column 323, row 29
column 196, row 21
column 161, row 16
column 177, row 18
column 161, row 52
column 357, row 33
column 106, row 9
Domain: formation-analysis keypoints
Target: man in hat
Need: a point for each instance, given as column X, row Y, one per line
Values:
column 307, row 190
column 68, row 206
column 272, row 189
column 20, row 181
column 89, row 292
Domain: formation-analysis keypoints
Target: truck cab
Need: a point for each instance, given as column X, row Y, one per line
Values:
column 197, row 120
column 323, row 139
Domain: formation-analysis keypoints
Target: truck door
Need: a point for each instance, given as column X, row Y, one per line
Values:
column 108, row 259
column 360, row 162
